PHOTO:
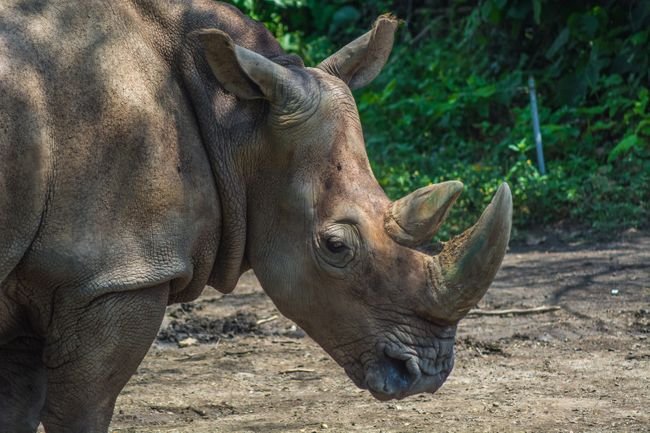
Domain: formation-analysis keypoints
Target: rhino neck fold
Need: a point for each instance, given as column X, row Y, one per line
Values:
column 227, row 129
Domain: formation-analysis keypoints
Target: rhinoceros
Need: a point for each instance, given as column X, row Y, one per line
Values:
column 148, row 149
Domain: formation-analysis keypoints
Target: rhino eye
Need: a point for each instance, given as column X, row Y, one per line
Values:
column 335, row 245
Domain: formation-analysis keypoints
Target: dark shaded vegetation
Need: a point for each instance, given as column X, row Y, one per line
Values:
column 453, row 101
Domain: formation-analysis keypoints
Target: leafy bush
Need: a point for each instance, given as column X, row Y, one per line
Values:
column 453, row 101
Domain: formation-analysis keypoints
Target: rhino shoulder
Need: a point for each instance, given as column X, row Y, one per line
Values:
column 25, row 149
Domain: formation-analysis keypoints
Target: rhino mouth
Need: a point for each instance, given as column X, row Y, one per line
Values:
column 396, row 373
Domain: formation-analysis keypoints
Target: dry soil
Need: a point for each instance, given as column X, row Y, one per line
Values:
column 583, row 368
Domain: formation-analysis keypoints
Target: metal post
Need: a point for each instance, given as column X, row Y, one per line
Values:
column 536, row 130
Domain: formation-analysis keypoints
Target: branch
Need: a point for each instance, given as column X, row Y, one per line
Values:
column 298, row 370
column 514, row 311
column 267, row 320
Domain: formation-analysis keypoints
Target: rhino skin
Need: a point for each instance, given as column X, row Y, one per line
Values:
column 148, row 149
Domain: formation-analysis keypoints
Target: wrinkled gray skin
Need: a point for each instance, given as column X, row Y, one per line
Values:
column 146, row 151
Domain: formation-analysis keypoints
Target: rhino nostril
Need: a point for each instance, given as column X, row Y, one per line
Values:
column 397, row 375
column 402, row 371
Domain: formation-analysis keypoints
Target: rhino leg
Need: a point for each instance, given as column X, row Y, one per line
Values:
column 92, row 352
column 22, row 385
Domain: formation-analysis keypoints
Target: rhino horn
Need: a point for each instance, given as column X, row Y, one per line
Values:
column 414, row 219
column 461, row 274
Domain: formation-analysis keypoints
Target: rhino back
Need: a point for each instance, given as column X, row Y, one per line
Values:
column 109, row 186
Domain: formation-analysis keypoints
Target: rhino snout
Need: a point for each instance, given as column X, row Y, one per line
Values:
column 397, row 373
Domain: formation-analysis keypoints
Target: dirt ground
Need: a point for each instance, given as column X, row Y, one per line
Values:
column 583, row 368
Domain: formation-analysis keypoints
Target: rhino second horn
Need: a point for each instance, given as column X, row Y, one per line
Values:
column 414, row 219
column 468, row 263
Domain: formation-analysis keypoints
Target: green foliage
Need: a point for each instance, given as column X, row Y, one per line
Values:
column 453, row 101
column 311, row 28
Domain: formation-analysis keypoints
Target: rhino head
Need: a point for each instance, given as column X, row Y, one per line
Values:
column 330, row 249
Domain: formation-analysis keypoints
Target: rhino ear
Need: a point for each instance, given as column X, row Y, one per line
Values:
column 244, row 73
column 360, row 61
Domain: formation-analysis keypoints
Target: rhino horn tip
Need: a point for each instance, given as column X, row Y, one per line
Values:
column 470, row 261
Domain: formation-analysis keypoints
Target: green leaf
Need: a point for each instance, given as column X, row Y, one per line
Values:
column 485, row 91
column 345, row 16
column 537, row 11
column 491, row 12
column 583, row 26
column 558, row 43
column 624, row 146
column 639, row 38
